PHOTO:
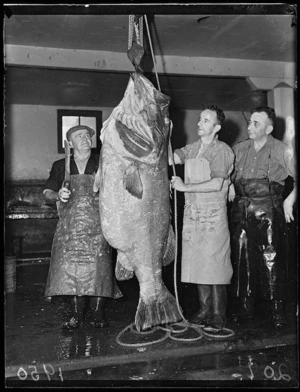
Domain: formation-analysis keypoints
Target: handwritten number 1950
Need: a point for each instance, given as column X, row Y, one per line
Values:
column 48, row 369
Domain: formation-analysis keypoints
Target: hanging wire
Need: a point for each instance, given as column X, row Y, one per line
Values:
column 153, row 58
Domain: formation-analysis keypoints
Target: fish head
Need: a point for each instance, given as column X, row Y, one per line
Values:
column 153, row 109
column 140, row 123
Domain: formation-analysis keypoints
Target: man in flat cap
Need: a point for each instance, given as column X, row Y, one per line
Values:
column 81, row 266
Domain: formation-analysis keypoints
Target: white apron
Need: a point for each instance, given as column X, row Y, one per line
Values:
column 205, row 236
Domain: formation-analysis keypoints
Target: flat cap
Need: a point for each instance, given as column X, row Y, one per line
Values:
column 78, row 128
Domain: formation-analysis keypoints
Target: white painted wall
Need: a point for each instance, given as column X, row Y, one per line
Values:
column 31, row 140
column 31, row 137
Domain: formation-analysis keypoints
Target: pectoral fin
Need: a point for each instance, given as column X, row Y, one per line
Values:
column 122, row 273
column 132, row 181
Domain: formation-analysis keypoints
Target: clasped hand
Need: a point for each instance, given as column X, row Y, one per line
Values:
column 64, row 194
column 177, row 184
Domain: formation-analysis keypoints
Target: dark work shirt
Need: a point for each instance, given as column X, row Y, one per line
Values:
column 275, row 161
column 57, row 173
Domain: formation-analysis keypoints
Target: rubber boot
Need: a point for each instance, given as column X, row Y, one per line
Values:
column 98, row 305
column 219, row 306
column 204, row 314
column 245, row 311
column 78, row 306
column 278, row 313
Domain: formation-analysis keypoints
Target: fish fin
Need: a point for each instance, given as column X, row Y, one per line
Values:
column 169, row 254
column 132, row 181
column 122, row 273
column 163, row 310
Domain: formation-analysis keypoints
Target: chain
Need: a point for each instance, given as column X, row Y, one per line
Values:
column 141, row 31
column 130, row 30
column 138, row 28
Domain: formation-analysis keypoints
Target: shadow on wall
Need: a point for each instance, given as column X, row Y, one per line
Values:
column 231, row 133
column 179, row 137
column 178, row 140
column 279, row 129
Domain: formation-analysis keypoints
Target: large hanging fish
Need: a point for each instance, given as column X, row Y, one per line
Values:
column 134, row 197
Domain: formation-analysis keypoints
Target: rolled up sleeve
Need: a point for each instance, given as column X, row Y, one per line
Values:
column 184, row 152
column 221, row 163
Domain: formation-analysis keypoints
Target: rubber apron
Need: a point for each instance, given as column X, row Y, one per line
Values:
column 259, row 243
column 81, row 261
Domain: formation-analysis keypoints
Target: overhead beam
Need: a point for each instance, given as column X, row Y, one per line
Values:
column 30, row 56
column 270, row 83
column 150, row 8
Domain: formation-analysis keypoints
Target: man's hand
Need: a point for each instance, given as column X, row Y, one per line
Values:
column 178, row 184
column 288, row 205
column 64, row 194
column 231, row 192
column 288, row 210
column 96, row 185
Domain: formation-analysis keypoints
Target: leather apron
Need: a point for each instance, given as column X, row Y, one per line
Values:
column 205, row 236
column 81, row 261
column 259, row 242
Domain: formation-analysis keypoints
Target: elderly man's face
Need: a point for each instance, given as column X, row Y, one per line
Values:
column 259, row 126
column 81, row 140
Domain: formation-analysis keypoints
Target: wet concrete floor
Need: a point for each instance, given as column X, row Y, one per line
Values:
column 38, row 352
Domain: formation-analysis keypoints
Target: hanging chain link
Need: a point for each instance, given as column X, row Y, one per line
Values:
column 130, row 30
column 138, row 29
column 141, row 31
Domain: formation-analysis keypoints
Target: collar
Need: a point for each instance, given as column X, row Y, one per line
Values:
column 90, row 157
column 211, row 144
column 269, row 142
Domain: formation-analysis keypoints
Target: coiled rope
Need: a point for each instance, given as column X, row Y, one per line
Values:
column 183, row 326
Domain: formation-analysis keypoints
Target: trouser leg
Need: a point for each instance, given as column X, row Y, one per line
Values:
column 245, row 310
column 78, row 307
column 205, row 297
column 277, row 307
column 98, row 305
column 219, row 306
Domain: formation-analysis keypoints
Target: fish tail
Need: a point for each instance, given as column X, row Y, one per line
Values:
column 157, row 312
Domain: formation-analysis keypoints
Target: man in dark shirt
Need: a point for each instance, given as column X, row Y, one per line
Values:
column 258, row 217
column 81, row 265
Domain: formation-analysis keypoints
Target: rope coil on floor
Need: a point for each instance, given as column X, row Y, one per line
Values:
column 169, row 330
